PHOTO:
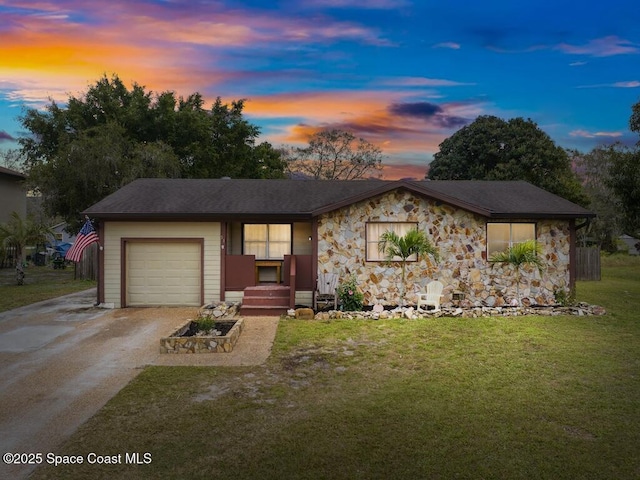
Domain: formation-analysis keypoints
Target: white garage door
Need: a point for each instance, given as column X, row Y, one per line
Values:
column 163, row 274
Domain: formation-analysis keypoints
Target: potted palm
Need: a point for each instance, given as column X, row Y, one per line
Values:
column 520, row 256
column 398, row 248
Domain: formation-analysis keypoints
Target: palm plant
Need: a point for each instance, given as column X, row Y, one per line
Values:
column 519, row 256
column 19, row 233
column 400, row 248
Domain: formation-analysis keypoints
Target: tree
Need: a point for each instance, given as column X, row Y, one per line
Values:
column 94, row 164
column 520, row 256
column 335, row 155
column 624, row 181
column 494, row 149
column 594, row 168
column 76, row 155
column 414, row 242
column 12, row 160
column 634, row 121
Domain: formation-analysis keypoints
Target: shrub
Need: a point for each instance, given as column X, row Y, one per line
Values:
column 205, row 322
column 564, row 297
column 351, row 299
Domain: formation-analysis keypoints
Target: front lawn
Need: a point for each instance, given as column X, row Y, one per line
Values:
column 40, row 283
column 489, row 398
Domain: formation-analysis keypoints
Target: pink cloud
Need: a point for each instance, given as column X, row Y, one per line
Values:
column 399, row 171
column 586, row 134
column 422, row 82
column 364, row 4
column 451, row 45
column 628, row 84
column 631, row 84
column 601, row 47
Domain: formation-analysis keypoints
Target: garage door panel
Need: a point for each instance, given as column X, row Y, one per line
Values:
column 164, row 273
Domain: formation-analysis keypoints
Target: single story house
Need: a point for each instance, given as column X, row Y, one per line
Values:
column 195, row 241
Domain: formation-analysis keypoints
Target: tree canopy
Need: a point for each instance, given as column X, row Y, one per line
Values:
column 335, row 155
column 110, row 135
column 491, row 148
column 611, row 177
column 594, row 169
column 624, row 181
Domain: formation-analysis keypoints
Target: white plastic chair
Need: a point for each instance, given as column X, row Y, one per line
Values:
column 432, row 295
column 326, row 289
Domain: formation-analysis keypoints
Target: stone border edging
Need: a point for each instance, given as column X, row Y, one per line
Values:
column 580, row 309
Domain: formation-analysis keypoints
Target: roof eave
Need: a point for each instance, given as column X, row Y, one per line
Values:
column 401, row 184
column 542, row 215
column 209, row 217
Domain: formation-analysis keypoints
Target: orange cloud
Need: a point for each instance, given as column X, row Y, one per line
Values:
column 407, row 141
column 49, row 54
column 365, row 113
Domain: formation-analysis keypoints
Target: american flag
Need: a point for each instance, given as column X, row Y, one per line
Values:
column 86, row 237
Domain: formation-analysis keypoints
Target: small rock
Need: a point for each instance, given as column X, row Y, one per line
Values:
column 305, row 313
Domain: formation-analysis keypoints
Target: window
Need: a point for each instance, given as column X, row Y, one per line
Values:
column 375, row 231
column 501, row 236
column 267, row 241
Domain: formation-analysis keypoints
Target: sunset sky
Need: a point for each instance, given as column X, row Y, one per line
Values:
column 403, row 74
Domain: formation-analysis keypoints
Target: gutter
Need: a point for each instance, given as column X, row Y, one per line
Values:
column 584, row 224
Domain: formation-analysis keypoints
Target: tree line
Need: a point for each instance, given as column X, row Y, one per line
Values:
column 101, row 140
column 605, row 180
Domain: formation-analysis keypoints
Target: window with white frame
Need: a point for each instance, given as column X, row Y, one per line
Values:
column 267, row 241
column 374, row 232
column 501, row 236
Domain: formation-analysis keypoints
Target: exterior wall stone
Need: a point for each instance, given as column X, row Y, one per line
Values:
column 459, row 236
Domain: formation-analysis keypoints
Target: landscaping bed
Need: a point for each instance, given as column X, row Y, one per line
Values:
column 580, row 309
column 191, row 339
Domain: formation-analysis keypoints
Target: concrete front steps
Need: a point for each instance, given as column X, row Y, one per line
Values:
column 265, row 301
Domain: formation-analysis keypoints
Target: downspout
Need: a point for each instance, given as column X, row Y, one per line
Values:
column 584, row 224
column 100, row 289
column 314, row 257
column 223, row 260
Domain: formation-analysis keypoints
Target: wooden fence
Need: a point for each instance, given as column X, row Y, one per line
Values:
column 588, row 263
column 87, row 267
column 8, row 257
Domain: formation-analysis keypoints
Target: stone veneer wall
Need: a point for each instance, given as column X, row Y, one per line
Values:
column 459, row 236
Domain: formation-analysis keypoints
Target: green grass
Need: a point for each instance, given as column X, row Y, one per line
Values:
column 490, row 398
column 40, row 283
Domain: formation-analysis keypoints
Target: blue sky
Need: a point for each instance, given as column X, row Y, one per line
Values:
column 402, row 74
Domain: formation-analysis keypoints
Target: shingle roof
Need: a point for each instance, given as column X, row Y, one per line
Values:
column 12, row 173
column 230, row 198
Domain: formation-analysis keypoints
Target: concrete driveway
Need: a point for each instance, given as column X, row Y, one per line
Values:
column 61, row 360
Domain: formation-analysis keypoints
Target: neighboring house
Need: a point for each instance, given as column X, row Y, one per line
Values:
column 13, row 194
column 61, row 235
column 190, row 242
column 633, row 244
